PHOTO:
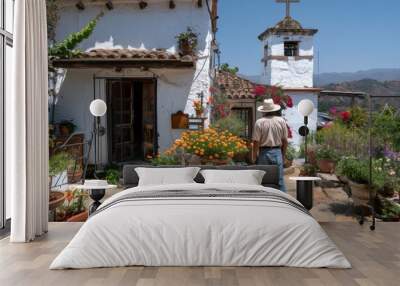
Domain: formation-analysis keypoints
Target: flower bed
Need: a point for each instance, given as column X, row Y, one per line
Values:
column 210, row 146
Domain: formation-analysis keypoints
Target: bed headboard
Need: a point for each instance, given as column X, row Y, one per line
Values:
column 271, row 178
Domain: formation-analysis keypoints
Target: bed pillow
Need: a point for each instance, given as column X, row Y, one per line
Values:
column 246, row 177
column 166, row 176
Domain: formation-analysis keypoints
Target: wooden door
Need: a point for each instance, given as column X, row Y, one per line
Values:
column 149, row 118
column 121, row 135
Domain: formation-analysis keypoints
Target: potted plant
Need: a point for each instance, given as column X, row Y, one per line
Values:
column 66, row 128
column 187, row 41
column 308, row 170
column 73, row 210
column 198, row 107
column 356, row 172
column 326, row 159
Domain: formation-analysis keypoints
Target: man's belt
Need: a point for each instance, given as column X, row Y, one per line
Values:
column 270, row 147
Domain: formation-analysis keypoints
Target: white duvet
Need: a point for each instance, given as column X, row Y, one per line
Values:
column 200, row 232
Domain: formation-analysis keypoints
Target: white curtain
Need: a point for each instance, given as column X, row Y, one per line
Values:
column 27, row 124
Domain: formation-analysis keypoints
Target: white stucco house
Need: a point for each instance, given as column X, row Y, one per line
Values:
column 132, row 62
column 288, row 62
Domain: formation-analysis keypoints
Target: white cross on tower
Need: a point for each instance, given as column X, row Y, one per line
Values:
column 288, row 2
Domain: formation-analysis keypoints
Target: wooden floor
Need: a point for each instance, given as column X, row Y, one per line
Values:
column 375, row 257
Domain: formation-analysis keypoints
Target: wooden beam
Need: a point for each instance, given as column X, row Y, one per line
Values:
column 80, row 5
column 142, row 4
column 109, row 5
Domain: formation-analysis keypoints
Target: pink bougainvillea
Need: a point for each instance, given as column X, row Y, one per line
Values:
column 259, row 90
column 276, row 93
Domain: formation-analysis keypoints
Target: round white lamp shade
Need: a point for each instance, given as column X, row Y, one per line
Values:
column 305, row 107
column 98, row 107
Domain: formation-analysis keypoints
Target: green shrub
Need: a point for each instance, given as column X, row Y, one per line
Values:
column 165, row 160
column 326, row 153
column 232, row 124
column 354, row 169
column 112, row 176
column 291, row 153
column 59, row 163
column 389, row 209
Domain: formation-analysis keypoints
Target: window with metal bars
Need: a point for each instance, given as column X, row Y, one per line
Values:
column 291, row 49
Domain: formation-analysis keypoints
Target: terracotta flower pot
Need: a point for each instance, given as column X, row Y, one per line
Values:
column 81, row 217
column 326, row 166
column 185, row 47
column 56, row 199
column 199, row 113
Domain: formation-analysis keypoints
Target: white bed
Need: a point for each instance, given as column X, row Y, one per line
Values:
column 201, row 231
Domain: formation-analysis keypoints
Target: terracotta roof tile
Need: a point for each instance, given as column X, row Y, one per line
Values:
column 234, row 86
column 159, row 58
column 133, row 54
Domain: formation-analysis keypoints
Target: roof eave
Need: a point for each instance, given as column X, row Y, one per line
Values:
column 273, row 31
column 121, row 63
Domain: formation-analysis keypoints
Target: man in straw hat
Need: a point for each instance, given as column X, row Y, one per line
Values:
column 270, row 138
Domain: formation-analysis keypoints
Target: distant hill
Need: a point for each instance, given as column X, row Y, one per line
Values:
column 371, row 86
column 376, row 74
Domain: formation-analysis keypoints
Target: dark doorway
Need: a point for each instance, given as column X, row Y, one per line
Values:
column 131, row 119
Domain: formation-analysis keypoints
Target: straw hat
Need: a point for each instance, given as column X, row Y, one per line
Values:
column 268, row 106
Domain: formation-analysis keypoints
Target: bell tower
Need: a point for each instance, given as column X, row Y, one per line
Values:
column 288, row 62
column 288, row 52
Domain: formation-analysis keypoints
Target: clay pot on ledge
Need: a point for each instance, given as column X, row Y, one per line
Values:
column 199, row 113
column 185, row 48
column 326, row 166
column 56, row 199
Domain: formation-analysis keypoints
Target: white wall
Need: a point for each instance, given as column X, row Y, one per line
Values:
column 128, row 27
column 290, row 73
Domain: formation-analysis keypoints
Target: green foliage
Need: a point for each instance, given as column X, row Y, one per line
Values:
column 326, row 153
column 359, row 117
column 165, row 160
column 59, row 163
column 386, row 127
column 345, row 141
column 226, row 68
column 308, row 170
column 112, row 176
column 291, row 153
column 354, row 169
column 67, row 47
column 230, row 123
column 389, row 209
column 188, row 37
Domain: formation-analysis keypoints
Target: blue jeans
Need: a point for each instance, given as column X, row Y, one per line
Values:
column 273, row 157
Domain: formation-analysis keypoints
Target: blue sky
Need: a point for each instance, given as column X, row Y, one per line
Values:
column 353, row 34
